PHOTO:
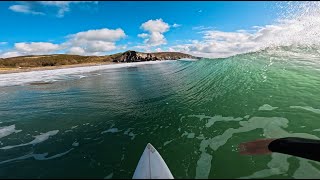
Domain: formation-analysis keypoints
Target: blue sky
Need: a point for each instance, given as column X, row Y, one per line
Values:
column 56, row 25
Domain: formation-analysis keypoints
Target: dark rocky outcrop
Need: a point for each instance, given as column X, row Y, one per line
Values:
column 133, row 56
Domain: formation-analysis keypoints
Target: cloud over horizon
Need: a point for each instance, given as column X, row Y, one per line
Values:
column 91, row 42
column 31, row 48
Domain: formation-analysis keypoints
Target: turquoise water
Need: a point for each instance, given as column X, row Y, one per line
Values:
column 97, row 125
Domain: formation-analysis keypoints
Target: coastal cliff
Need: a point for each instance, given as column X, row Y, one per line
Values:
column 66, row 59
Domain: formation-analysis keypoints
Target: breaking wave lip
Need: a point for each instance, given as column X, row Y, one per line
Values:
column 49, row 76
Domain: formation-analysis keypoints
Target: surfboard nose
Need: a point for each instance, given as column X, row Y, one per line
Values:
column 151, row 165
column 151, row 148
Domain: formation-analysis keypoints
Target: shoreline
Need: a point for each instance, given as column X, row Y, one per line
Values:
column 46, row 68
column 42, row 76
column 29, row 69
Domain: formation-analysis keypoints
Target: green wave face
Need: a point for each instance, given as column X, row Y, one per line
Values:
column 195, row 113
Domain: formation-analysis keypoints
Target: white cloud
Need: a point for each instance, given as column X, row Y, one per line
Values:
column 36, row 47
column 202, row 28
column 11, row 54
column 100, row 46
column 156, row 39
column 32, row 48
column 159, row 50
column 63, row 6
column 24, row 9
column 143, row 35
column 176, row 25
column 91, row 42
column 156, row 28
column 94, row 41
column 142, row 47
column 108, row 35
column 170, row 49
column 76, row 50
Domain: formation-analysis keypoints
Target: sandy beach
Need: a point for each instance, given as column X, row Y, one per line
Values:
column 28, row 69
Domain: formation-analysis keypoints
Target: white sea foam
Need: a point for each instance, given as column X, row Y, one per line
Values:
column 191, row 135
column 127, row 131
column 307, row 108
column 75, row 143
column 212, row 120
column 272, row 127
column 266, row 107
column 306, row 170
column 108, row 176
column 40, row 157
column 7, row 130
column 184, row 134
column 111, row 130
column 132, row 135
column 58, row 74
column 167, row 142
column 278, row 165
column 37, row 139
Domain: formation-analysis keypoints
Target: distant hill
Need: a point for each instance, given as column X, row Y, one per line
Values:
column 65, row 59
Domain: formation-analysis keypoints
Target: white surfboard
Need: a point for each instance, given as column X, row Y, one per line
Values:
column 151, row 165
